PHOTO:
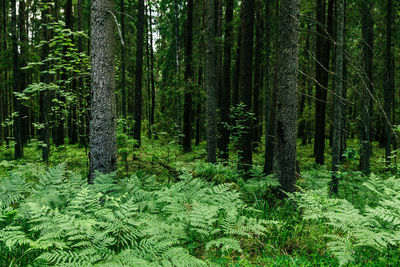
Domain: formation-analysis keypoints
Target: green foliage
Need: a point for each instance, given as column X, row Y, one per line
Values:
column 58, row 219
column 372, row 229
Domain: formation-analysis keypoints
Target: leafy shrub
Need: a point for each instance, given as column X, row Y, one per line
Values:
column 61, row 221
column 358, row 232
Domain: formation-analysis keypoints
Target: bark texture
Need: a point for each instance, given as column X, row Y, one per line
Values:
column 187, row 109
column 210, row 82
column 245, row 83
column 102, row 141
column 137, row 130
column 337, row 104
column 367, row 85
column 286, row 107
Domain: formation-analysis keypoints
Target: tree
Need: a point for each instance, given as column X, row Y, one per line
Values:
column 44, row 95
column 337, row 107
column 102, row 141
column 245, row 83
column 137, row 130
column 323, row 48
column 210, row 82
column 367, row 44
column 187, row 109
column 123, row 64
column 226, row 82
column 286, row 106
column 389, row 81
column 18, row 148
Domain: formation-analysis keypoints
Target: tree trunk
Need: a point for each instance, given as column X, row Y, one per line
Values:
column 102, row 142
column 18, row 148
column 323, row 48
column 137, row 130
column 258, row 77
column 389, row 84
column 269, row 103
column 123, row 69
column 337, row 105
column 245, row 84
column 367, row 43
column 226, row 83
column 153, row 88
column 187, row 110
column 235, row 82
column 286, row 108
column 44, row 95
column 210, row 79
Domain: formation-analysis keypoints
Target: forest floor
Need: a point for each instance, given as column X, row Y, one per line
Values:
column 295, row 242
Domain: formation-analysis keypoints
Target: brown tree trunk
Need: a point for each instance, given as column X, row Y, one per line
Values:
column 210, row 79
column 102, row 142
column 137, row 130
column 286, row 108
column 187, row 110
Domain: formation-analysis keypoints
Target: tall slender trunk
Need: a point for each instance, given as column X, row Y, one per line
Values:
column 235, row 81
column 210, row 80
column 226, row 83
column 198, row 106
column 18, row 148
column 245, row 84
column 153, row 87
column 367, row 43
column 139, row 74
column 23, row 77
column 389, row 81
column 123, row 64
column 337, row 107
column 269, row 122
column 102, row 141
column 323, row 48
column 258, row 77
column 44, row 95
column 187, row 110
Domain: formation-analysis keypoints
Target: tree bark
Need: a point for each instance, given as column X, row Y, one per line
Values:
column 123, row 64
column 337, row 107
column 323, row 48
column 367, row 85
column 187, row 110
column 210, row 80
column 102, row 142
column 137, row 130
column 286, row 108
column 245, row 84
column 18, row 148
column 226, row 83
column 269, row 103
column 258, row 77
column 389, row 82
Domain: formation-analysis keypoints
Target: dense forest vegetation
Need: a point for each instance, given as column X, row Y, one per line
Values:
column 199, row 133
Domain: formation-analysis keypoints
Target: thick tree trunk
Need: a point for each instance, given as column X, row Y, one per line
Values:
column 226, row 83
column 137, row 130
column 367, row 43
column 210, row 80
column 187, row 110
column 286, row 108
column 102, row 142
column 245, row 84
column 337, row 105
column 18, row 148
